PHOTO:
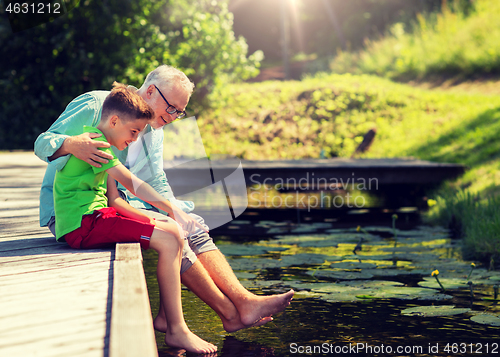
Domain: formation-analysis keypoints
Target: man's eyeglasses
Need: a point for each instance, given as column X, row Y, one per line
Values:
column 171, row 109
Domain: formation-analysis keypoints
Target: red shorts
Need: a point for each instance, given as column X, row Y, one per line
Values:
column 105, row 227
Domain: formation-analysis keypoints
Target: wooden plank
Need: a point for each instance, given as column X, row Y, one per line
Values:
column 132, row 331
column 11, row 246
column 48, row 317
column 128, row 251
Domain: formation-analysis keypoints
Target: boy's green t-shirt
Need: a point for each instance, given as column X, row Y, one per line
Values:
column 80, row 189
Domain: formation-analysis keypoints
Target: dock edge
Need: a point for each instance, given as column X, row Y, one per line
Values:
column 131, row 332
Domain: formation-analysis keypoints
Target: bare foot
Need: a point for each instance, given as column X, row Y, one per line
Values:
column 233, row 325
column 257, row 307
column 160, row 323
column 184, row 338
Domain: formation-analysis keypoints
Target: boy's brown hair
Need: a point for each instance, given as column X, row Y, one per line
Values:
column 127, row 104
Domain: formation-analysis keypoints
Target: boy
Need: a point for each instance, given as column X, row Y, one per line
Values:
column 90, row 212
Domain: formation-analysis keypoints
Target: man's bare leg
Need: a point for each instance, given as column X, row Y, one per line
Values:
column 251, row 307
column 197, row 279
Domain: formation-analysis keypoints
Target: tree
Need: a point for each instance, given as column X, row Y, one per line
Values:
column 43, row 68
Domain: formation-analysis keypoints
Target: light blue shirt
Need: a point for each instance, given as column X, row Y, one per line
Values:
column 86, row 110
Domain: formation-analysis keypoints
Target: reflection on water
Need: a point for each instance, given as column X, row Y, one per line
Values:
column 329, row 316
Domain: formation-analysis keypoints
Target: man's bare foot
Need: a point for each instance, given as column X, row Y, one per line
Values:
column 236, row 324
column 255, row 308
column 233, row 325
column 184, row 338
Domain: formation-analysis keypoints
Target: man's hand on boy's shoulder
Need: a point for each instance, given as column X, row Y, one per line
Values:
column 84, row 148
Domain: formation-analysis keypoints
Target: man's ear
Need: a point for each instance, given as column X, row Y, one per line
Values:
column 150, row 90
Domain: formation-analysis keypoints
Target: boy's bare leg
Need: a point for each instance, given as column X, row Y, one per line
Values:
column 167, row 242
column 252, row 308
column 197, row 279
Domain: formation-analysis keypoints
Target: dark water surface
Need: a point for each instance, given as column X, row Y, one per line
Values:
column 330, row 315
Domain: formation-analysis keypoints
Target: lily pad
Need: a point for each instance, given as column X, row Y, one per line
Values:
column 304, row 229
column 352, row 265
column 324, row 240
column 389, row 271
column 383, row 289
column 347, row 294
column 244, row 275
column 440, row 310
column 318, row 287
column 342, row 275
column 403, row 293
column 246, row 249
column 303, row 259
column 277, row 230
column 296, row 239
column 269, row 223
column 402, row 249
column 448, row 283
column 373, row 289
column 366, row 284
column 486, row 319
column 319, row 243
column 304, row 294
column 405, row 257
column 252, row 264
column 322, row 225
column 260, row 284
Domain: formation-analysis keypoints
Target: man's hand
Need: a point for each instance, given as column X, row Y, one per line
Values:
column 83, row 147
column 187, row 222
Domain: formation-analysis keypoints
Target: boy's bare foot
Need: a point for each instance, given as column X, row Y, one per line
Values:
column 185, row 339
column 257, row 307
column 160, row 323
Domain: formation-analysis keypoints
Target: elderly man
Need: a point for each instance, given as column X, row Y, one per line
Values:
column 204, row 269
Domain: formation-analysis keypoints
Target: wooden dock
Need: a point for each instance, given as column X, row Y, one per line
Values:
column 311, row 172
column 394, row 182
column 57, row 301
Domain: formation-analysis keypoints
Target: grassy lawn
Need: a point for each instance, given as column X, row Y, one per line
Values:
column 329, row 114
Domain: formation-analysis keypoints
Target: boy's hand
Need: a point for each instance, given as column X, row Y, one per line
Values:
column 187, row 223
column 83, row 147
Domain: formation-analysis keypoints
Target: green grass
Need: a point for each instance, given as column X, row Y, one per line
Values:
column 299, row 119
column 475, row 220
column 446, row 43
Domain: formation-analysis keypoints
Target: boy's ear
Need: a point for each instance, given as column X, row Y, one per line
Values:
column 113, row 121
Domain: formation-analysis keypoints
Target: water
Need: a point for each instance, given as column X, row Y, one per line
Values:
column 328, row 316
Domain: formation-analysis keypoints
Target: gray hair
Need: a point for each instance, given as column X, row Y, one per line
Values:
column 169, row 77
